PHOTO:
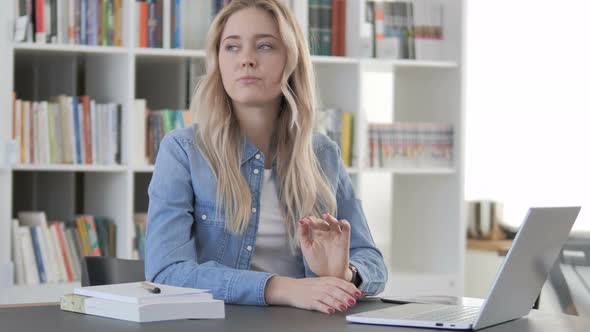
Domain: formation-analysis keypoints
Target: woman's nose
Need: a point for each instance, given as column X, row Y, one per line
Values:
column 248, row 60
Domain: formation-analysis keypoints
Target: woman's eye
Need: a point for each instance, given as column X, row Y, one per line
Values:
column 265, row 46
column 231, row 48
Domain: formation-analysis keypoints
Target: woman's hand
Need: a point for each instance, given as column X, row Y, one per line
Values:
column 325, row 244
column 323, row 294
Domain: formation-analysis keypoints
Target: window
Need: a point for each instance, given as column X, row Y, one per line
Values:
column 528, row 105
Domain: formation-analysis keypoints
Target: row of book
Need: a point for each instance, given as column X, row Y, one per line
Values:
column 188, row 23
column 152, row 125
column 337, row 125
column 50, row 252
column 407, row 144
column 67, row 130
column 406, row 29
column 79, row 22
column 327, row 27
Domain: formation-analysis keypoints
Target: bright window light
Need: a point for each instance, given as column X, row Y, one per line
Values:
column 528, row 105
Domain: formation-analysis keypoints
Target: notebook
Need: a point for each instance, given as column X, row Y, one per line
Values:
column 131, row 302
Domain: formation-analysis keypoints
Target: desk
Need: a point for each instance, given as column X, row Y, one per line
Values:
column 256, row 319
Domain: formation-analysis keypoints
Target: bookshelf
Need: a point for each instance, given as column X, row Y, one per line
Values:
column 400, row 202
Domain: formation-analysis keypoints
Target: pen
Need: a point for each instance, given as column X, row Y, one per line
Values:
column 150, row 287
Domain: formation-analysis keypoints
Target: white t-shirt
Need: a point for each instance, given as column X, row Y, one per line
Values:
column 272, row 252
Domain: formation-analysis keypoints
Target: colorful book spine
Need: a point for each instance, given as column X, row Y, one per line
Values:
column 35, row 237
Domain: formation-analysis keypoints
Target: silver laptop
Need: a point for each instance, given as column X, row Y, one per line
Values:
column 518, row 283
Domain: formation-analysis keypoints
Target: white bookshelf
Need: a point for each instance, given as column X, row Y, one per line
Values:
column 415, row 214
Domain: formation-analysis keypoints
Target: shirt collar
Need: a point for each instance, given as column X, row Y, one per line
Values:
column 250, row 150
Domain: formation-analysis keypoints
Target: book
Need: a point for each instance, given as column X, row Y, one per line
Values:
column 198, row 309
column 132, row 292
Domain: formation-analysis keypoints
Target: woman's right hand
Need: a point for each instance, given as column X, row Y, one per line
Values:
column 324, row 294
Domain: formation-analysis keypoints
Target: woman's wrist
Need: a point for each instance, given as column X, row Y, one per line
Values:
column 277, row 289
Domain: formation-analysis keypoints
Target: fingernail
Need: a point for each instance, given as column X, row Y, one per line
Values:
column 351, row 301
column 358, row 294
column 330, row 311
column 301, row 221
column 342, row 307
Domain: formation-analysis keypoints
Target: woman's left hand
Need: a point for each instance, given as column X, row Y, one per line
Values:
column 325, row 244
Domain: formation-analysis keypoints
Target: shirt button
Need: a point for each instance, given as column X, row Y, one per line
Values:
column 257, row 156
column 256, row 171
column 204, row 217
column 249, row 248
column 253, row 210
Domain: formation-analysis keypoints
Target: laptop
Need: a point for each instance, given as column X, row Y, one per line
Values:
column 533, row 254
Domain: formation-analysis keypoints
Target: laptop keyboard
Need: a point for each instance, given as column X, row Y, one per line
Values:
column 449, row 314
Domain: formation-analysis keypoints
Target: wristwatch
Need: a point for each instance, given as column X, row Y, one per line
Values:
column 356, row 278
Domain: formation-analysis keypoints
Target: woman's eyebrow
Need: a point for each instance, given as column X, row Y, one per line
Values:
column 258, row 36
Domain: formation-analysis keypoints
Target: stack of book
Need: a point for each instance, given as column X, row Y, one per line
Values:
column 338, row 126
column 327, row 27
column 80, row 22
column 406, row 29
column 45, row 252
column 67, row 130
column 406, row 144
column 143, row 302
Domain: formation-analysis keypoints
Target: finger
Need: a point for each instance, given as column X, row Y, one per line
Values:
column 345, row 225
column 303, row 231
column 316, row 224
column 331, row 300
column 341, row 296
column 334, row 223
column 347, row 287
column 322, row 307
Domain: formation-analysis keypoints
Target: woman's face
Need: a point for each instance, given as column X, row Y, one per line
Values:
column 251, row 58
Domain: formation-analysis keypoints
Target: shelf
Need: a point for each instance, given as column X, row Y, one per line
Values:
column 320, row 59
column 172, row 53
column 353, row 170
column 143, row 169
column 32, row 48
column 411, row 170
column 389, row 64
column 36, row 293
column 499, row 246
column 71, row 168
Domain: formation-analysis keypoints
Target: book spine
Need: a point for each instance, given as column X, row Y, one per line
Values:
column 177, row 22
column 118, row 26
column 30, row 265
column 38, row 255
column 62, row 247
column 143, row 24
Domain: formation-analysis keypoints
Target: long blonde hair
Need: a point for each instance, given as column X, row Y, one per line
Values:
column 304, row 189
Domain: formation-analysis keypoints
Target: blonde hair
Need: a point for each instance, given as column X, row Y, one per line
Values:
column 304, row 188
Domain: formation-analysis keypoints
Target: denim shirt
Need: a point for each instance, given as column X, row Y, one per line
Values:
column 187, row 245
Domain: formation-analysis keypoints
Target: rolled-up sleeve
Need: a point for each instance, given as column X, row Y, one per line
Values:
column 171, row 248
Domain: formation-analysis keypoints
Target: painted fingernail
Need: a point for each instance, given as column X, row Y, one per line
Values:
column 342, row 307
column 351, row 301
column 301, row 221
column 358, row 294
column 330, row 311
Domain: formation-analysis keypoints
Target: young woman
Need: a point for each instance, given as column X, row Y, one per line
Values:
column 250, row 203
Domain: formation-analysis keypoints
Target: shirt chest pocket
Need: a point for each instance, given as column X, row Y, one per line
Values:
column 210, row 233
column 206, row 215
